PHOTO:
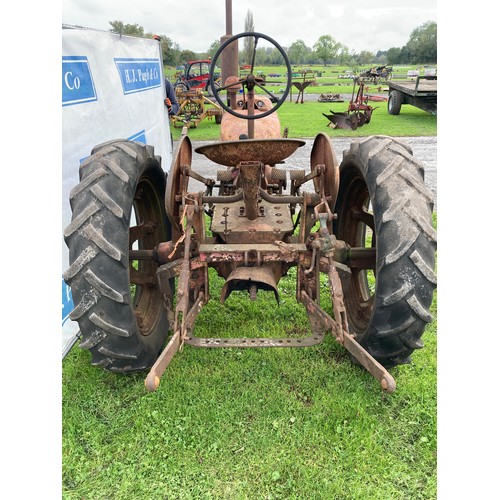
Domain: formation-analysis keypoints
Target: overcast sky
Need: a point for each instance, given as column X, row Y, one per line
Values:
column 194, row 24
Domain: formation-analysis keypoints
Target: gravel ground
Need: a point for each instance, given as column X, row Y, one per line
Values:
column 424, row 150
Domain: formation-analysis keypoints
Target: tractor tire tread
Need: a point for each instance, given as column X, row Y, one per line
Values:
column 406, row 242
column 97, row 238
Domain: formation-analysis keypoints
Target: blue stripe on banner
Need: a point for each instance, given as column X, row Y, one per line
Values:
column 77, row 83
column 139, row 137
column 138, row 75
column 67, row 301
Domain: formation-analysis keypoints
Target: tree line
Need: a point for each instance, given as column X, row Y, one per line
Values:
column 421, row 48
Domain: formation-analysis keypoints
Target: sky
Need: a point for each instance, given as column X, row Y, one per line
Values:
column 362, row 25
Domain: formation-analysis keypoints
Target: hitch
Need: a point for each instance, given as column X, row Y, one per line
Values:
column 192, row 294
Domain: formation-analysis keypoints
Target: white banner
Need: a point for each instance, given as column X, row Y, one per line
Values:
column 112, row 88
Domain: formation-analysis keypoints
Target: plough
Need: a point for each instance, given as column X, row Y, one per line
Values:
column 358, row 113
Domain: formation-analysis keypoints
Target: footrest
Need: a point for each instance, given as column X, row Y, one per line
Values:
column 255, row 342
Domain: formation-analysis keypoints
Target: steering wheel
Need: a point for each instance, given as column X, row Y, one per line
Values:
column 250, row 81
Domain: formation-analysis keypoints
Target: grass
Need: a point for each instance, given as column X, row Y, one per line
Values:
column 249, row 423
column 306, row 120
column 328, row 73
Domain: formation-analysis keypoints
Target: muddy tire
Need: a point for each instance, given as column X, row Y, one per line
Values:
column 118, row 306
column 383, row 204
column 394, row 102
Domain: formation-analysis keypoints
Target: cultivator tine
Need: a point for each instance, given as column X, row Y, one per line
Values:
column 153, row 379
column 321, row 317
column 185, row 312
column 320, row 320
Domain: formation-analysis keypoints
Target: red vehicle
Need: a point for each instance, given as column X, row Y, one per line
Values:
column 195, row 76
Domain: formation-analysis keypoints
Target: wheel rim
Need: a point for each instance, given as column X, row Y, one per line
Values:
column 177, row 183
column 356, row 227
column 145, row 233
column 323, row 154
column 216, row 90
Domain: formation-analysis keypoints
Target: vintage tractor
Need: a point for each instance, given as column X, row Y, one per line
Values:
column 141, row 243
column 195, row 76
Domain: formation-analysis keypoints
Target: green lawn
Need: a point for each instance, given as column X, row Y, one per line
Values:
column 249, row 423
column 306, row 120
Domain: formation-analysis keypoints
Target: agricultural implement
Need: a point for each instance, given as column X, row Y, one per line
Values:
column 421, row 93
column 376, row 74
column 140, row 250
column 358, row 112
column 194, row 107
column 306, row 78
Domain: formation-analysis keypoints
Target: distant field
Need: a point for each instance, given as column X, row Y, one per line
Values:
column 306, row 119
column 323, row 74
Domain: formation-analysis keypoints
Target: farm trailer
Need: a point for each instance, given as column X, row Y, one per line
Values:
column 421, row 93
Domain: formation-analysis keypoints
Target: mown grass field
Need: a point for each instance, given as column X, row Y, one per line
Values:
column 252, row 423
column 307, row 120
column 245, row 424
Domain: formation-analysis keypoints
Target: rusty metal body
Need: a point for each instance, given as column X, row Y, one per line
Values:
column 307, row 78
column 257, row 236
column 258, row 233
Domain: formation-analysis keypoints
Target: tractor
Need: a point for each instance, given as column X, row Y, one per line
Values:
column 141, row 242
column 195, row 76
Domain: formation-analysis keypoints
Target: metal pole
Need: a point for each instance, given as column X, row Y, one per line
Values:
column 229, row 57
column 229, row 17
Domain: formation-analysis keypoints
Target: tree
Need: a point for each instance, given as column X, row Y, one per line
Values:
column 169, row 51
column 366, row 57
column 261, row 56
column 326, row 48
column 297, row 52
column 187, row 55
column 248, row 42
column 127, row 29
column 214, row 47
column 394, row 55
column 422, row 45
column 344, row 56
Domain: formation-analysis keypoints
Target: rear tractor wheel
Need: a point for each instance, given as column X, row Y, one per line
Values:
column 385, row 212
column 118, row 207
